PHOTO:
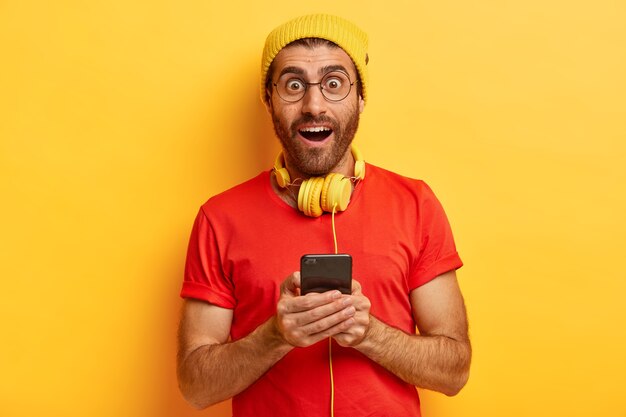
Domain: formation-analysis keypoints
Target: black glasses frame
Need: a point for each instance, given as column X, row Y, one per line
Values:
column 319, row 84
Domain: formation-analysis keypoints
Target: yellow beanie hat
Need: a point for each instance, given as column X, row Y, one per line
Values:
column 335, row 29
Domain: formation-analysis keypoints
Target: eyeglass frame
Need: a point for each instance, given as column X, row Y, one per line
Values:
column 319, row 84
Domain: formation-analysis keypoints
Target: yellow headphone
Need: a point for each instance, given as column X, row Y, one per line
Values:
column 320, row 194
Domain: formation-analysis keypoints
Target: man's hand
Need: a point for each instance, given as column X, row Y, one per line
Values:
column 305, row 320
column 361, row 319
column 438, row 358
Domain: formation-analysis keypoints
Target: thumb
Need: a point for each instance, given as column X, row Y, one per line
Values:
column 291, row 285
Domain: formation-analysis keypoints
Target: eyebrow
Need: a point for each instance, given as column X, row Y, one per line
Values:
column 322, row 71
column 331, row 68
column 291, row 70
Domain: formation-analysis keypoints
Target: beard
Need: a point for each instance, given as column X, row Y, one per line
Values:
column 316, row 161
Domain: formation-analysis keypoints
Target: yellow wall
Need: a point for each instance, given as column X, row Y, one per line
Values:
column 118, row 119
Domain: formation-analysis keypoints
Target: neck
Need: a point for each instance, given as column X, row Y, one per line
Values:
column 289, row 195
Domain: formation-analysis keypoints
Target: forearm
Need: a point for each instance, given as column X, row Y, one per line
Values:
column 212, row 373
column 434, row 362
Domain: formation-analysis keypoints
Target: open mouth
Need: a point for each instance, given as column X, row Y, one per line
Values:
column 315, row 134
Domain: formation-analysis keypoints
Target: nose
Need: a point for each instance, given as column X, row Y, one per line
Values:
column 313, row 102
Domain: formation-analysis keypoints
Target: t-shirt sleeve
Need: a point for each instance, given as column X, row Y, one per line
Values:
column 437, row 253
column 204, row 277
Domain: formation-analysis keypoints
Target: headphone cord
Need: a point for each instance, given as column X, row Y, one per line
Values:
column 332, row 382
column 333, row 225
column 330, row 340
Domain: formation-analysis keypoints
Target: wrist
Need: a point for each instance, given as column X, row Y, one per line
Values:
column 275, row 338
column 371, row 335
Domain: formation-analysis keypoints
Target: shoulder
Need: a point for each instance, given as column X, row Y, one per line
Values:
column 399, row 193
column 384, row 179
column 240, row 196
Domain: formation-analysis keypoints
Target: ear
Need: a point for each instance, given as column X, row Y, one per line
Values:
column 361, row 104
column 268, row 100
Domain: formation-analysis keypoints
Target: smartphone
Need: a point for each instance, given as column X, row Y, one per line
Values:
column 326, row 272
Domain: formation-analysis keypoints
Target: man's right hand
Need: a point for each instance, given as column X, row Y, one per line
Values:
column 212, row 369
column 305, row 320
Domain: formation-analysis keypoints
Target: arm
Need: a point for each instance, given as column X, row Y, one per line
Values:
column 439, row 357
column 211, row 369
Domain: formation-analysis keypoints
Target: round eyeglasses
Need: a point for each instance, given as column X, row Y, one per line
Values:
column 335, row 86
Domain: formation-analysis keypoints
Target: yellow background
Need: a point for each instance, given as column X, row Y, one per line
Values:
column 118, row 119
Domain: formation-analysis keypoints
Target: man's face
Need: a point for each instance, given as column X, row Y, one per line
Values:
column 315, row 133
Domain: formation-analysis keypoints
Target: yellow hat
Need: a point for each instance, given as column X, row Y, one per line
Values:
column 335, row 29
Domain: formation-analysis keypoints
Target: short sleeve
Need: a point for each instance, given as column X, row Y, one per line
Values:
column 437, row 253
column 204, row 277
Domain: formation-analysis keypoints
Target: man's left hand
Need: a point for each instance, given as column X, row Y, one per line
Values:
column 357, row 332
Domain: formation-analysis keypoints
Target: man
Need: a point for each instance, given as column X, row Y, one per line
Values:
column 247, row 333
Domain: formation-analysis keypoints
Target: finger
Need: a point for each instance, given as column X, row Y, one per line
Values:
column 361, row 302
column 310, row 302
column 304, row 328
column 331, row 324
column 291, row 284
column 348, row 339
column 331, row 331
column 310, row 339
column 353, row 334
column 356, row 287
column 295, row 316
column 336, row 331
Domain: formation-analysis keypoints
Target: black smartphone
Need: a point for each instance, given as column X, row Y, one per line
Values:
column 325, row 272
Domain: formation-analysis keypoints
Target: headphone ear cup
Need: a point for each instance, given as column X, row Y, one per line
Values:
column 280, row 172
column 359, row 164
column 282, row 177
column 359, row 169
column 314, row 207
column 324, row 197
column 309, row 196
column 336, row 191
column 303, row 194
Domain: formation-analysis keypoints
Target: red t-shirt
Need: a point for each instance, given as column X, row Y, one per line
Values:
column 246, row 241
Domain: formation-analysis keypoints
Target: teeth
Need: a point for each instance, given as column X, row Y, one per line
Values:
column 315, row 129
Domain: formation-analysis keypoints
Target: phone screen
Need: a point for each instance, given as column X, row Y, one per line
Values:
column 326, row 272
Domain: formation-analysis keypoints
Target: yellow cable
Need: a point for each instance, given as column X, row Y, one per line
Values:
column 332, row 382
column 334, row 231
column 330, row 340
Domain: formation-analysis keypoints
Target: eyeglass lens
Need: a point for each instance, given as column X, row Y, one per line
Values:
column 335, row 86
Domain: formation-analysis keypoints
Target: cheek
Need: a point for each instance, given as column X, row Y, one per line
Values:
column 285, row 114
column 348, row 112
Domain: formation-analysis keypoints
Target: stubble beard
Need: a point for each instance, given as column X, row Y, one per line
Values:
column 316, row 161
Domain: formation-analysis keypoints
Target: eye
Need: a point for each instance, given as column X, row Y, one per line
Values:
column 294, row 85
column 333, row 83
